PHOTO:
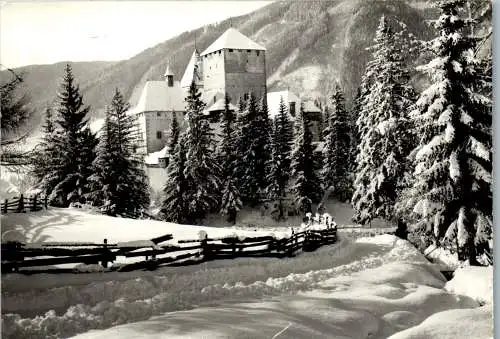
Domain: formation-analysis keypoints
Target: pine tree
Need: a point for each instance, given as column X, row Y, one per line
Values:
column 202, row 172
column 279, row 166
column 335, row 170
column 15, row 113
column 253, row 150
column 452, row 192
column 307, row 187
column 174, row 133
column 384, row 130
column 119, row 185
column 66, row 181
column 46, row 151
column 175, row 204
column 230, row 202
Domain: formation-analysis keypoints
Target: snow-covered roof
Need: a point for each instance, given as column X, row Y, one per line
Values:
column 274, row 98
column 153, row 158
column 309, row 106
column 158, row 96
column 189, row 73
column 233, row 39
column 219, row 106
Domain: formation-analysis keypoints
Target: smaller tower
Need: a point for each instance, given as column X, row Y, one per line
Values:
column 169, row 76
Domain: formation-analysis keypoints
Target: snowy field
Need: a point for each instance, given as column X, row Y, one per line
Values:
column 377, row 287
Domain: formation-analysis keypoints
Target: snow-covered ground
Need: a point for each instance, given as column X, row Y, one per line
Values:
column 377, row 287
column 77, row 225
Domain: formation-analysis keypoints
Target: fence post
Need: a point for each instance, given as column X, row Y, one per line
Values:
column 5, row 206
column 204, row 248
column 20, row 206
column 105, row 253
column 33, row 206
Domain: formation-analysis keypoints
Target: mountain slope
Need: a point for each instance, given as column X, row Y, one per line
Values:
column 309, row 45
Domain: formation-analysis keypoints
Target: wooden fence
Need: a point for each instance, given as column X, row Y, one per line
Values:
column 17, row 255
column 22, row 204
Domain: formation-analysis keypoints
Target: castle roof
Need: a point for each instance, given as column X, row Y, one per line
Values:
column 158, row 96
column 219, row 105
column 189, row 73
column 233, row 39
column 310, row 107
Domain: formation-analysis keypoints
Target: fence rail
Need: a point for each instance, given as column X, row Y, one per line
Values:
column 16, row 255
column 22, row 204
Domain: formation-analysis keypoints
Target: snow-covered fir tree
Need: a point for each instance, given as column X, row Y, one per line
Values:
column 46, row 151
column 174, row 133
column 230, row 201
column 452, row 194
column 66, row 181
column 383, row 125
column 279, row 166
column 335, row 169
column 253, row 148
column 307, row 187
column 174, row 206
column 202, row 171
column 119, row 185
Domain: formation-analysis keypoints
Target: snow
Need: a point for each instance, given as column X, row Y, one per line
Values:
column 153, row 158
column 71, row 224
column 453, row 324
column 473, row 281
column 372, row 287
column 136, row 243
column 442, row 257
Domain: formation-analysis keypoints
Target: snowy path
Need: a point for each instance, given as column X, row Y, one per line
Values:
column 367, row 289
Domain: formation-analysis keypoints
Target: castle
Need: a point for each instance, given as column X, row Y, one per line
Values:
column 232, row 65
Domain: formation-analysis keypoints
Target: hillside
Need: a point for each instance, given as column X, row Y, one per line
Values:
column 309, row 44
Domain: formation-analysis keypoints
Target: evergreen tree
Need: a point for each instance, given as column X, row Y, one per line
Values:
column 384, row 130
column 279, row 166
column 231, row 202
column 452, row 192
column 46, row 151
column 66, row 182
column 307, row 188
column 253, row 150
column 175, row 204
column 119, row 185
column 15, row 113
column 335, row 169
column 202, row 172
column 174, row 133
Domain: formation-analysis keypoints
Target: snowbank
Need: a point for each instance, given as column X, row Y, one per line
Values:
column 453, row 324
column 472, row 281
column 443, row 257
column 72, row 224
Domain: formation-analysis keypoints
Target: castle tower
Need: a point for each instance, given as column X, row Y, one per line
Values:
column 235, row 65
column 169, row 76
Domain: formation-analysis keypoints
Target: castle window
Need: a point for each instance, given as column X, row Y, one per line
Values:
column 246, row 96
column 215, row 99
column 158, row 134
column 248, row 51
column 230, row 50
column 158, row 114
column 258, row 52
